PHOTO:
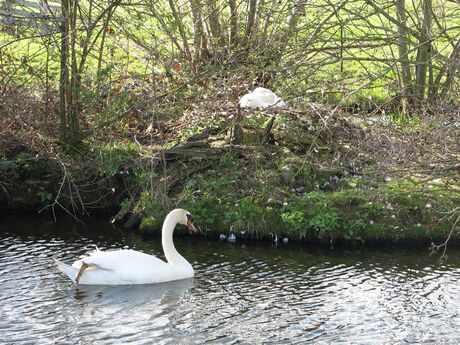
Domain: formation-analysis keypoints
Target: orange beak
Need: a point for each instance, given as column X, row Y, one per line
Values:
column 191, row 226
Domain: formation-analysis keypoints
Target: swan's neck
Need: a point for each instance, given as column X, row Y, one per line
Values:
column 171, row 254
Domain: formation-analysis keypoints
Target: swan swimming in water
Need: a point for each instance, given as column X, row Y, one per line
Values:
column 126, row 266
column 261, row 98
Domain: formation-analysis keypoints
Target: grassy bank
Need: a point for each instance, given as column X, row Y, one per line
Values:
column 351, row 178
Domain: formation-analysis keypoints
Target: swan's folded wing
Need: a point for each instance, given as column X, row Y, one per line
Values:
column 120, row 259
column 122, row 267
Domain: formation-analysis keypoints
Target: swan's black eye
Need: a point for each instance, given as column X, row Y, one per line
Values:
column 189, row 217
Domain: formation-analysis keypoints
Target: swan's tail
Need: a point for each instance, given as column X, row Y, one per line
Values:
column 69, row 271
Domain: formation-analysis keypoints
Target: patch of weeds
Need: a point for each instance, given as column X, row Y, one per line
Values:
column 77, row 151
column 115, row 110
column 207, row 208
column 188, row 132
column 227, row 160
column 45, row 197
column 312, row 213
column 325, row 222
column 115, row 157
column 295, row 220
column 152, row 212
column 216, row 205
column 407, row 124
column 353, row 229
column 248, row 215
column 150, row 224
column 6, row 166
column 255, row 120
column 26, row 166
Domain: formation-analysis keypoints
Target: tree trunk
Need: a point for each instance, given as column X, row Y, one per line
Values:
column 199, row 39
column 72, row 105
column 448, row 69
column 213, row 19
column 64, row 72
column 403, row 51
column 181, row 29
column 251, row 19
column 233, row 22
column 423, row 52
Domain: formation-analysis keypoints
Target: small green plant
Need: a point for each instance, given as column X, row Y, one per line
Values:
column 248, row 215
column 45, row 197
column 325, row 222
column 227, row 160
column 256, row 120
column 295, row 220
column 150, row 224
column 6, row 165
column 149, row 206
column 23, row 160
column 206, row 207
column 23, row 156
column 114, row 157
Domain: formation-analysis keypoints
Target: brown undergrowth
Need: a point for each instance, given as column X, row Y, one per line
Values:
column 161, row 145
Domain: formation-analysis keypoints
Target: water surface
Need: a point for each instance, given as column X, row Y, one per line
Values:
column 241, row 293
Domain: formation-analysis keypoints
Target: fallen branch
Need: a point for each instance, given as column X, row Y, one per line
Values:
column 435, row 247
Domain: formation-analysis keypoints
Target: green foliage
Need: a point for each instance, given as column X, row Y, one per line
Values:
column 249, row 215
column 227, row 160
column 115, row 157
column 312, row 213
column 45, row 197
column 206, row 207
column 23, row 156
column 152, row 212
column 150, row 224
column 215, row 205
column 6, row 165
column 324, row 222
column 295, row 219
column 116, row 108
column 199, row 128
column 149, row 206
column 256, row 120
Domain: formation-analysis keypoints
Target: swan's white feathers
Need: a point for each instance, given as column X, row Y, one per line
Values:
column 123, row 267
column 126, row 266
column 261, row 98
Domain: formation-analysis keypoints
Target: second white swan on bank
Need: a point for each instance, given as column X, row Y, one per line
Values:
column 261, row 98
column 125, row 267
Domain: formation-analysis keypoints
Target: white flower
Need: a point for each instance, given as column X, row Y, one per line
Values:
column 428, row 205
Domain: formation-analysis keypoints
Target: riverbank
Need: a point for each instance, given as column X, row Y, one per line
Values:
column 315, row 173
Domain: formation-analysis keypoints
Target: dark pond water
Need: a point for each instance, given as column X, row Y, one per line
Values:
column 244, row 294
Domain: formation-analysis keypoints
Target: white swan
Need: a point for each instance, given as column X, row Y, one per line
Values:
column 261, row 98
column 124, row 267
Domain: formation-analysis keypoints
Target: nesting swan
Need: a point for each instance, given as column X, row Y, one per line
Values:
column 126, row 267
column 261, row 98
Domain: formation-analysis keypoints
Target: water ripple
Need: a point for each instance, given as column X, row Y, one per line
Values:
column 240, row 295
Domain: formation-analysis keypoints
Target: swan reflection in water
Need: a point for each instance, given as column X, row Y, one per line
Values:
column 122, row 312
column 168, row 293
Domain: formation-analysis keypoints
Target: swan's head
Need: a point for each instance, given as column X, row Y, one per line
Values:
column 184, row 217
